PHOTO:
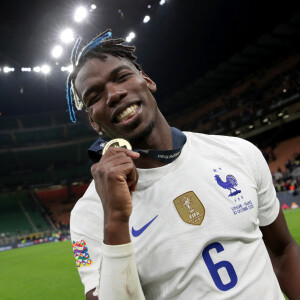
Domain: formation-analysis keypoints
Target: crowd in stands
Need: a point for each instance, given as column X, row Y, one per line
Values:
column 290, row 179
column 255, row 102
column 269, row 154
column 268, row 91
column 41, row 237
column 58, row 202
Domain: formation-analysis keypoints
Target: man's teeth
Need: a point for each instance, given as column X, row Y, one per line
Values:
column 127, row 113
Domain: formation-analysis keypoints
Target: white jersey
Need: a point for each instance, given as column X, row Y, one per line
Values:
column 194, row 226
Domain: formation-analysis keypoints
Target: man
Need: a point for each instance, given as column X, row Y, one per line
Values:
column 182, row 216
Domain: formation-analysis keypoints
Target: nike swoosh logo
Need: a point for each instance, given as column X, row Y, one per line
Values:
column 136, row 233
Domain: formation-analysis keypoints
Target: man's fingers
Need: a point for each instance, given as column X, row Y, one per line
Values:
column 132, row 177
column 121, row 166
column 127, row 170
column 110, row 162
column 114, row 150
column 133, row 184
column 116, row 176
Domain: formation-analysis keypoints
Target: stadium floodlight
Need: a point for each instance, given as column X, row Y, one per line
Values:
column 286, row 116
column 251, row 126
column 57, row 51
column 146, row 19
column 265, row 120
column 237, row 132
column 45, row 69
column 70, row 68
column 37, row 69
column 67, row 36
column 67, row 69
column 8, row 69
column 162, row 2
column 80, row 14
column 131, row 35
column 26, row 69
column 93, row 6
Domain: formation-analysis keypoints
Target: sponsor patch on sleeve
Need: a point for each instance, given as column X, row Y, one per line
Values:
column 81, row 254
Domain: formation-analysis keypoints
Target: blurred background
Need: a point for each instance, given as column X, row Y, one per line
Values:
column 221, row 67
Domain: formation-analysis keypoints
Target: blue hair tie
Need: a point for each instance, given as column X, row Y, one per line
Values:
column 70, row 100
column 96, row 42
column 74, row 61
column 74, row 51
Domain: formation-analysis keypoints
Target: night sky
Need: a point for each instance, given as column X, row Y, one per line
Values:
column 183, row 41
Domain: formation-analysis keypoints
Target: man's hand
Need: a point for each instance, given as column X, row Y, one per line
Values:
column 116, row 177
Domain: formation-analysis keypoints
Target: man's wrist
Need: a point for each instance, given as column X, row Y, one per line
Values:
column 116, row 232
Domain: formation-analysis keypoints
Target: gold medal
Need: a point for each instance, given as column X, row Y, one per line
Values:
column 119, row 143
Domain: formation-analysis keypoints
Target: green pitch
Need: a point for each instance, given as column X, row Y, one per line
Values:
column 292, row 217
column 48, row 271
column 40, row 272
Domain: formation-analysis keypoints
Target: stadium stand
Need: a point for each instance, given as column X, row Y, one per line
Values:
column 42, row 149
column 19, row 215
column 39, row 136
column 256, row 101
column 284, row 152
column 44, row 120
column 59, row 201
column 9, row 123
column 31, row 211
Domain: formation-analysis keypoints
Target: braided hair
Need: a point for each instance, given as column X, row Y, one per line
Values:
column 99, row 47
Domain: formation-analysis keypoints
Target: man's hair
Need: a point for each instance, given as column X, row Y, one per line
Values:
column 99, row 47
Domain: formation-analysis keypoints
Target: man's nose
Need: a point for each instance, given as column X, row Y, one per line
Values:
column 114, row 94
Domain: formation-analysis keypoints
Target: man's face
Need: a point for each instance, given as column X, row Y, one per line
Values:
column 118, row 97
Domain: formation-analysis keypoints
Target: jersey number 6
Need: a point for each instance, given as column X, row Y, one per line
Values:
column 214, row 267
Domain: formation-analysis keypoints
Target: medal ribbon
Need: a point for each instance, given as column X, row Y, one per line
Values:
column 164, row 156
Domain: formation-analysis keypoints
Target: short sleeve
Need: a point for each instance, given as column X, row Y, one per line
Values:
column 86, row 228
column 268, row 204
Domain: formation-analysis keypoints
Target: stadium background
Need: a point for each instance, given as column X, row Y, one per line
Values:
column 222, row 67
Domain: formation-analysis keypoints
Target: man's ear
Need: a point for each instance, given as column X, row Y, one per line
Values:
column 96, row 127
column 151, row 84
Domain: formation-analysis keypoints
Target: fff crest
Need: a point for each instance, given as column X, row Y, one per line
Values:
column 229, row 184
column 190, row 208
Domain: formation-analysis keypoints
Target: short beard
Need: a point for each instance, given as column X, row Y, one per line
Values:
column 142, row 136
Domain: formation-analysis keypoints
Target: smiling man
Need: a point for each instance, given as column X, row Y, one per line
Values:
column 134, row 118
column 183, row 215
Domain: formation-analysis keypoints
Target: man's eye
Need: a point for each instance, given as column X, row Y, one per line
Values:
column 93, row 100
column 123, row 76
